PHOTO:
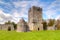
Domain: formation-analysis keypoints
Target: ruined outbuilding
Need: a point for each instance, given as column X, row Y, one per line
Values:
column 22, row 26
column 8, row 27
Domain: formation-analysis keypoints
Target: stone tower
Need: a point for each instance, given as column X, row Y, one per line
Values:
column 35, row 18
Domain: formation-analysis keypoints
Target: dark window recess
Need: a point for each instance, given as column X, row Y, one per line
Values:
column 34, row 21
column 38, row 9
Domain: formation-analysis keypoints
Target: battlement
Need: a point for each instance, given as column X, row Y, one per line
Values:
column 35, row 8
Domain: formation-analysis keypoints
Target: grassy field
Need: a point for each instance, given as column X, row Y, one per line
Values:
column 39, row 35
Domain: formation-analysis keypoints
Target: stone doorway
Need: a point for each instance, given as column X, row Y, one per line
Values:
column 38, row 29
column 9, row 28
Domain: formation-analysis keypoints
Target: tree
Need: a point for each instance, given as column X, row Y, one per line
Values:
column 9, row 22
column 51, row 22
column 15, row 25
column 44, row 25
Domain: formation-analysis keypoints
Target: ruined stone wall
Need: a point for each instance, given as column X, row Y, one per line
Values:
column 8, row 27
column 58, row 24
column 0, row 27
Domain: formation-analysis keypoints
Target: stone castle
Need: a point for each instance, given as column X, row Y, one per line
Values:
column 34, row 23
column 34, row 20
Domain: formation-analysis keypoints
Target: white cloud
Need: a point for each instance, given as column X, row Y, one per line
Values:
column 15, row 16
column 6, row 17
column 20, row 4
column 58, row 17
column 52, row 9
column 15, row 13
column 54, row 4
column 50, row 13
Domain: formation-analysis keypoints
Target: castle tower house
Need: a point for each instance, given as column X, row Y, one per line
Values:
column 35, row 18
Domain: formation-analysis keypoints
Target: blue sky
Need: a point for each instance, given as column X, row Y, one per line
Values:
column 14, row 10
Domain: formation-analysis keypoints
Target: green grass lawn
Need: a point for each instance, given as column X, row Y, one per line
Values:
column 36, row 35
